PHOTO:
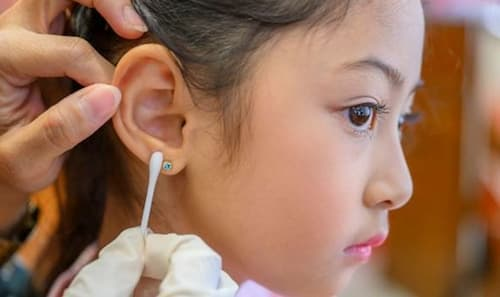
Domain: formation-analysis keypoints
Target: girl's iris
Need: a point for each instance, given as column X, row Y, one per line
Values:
column 361, row 116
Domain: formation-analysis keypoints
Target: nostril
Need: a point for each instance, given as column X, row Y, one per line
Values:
column 387, row 194
column 386, row 204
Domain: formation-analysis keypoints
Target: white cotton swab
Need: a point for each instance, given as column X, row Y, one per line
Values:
column 154, row 171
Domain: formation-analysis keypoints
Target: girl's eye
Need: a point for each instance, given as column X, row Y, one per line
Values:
column 407, row 119
column 362, row 117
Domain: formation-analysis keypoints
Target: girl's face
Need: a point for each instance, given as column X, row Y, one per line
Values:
column 321, row 161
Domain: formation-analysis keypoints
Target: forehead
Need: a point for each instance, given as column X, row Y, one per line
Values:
column 389, row 30
column 387, row 16
column 392, row 30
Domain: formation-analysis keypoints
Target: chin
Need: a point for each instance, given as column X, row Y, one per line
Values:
column 331, row 288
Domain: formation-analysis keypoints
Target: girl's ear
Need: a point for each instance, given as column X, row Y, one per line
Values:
column 155, row 112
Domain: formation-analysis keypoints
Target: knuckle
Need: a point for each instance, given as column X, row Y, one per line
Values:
column 9, row 167
column 12, row 169
column 80, row 49
column 56, row 129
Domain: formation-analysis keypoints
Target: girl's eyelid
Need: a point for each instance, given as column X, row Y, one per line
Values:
column 379, row 109
column 379, row 106
column 362, row 100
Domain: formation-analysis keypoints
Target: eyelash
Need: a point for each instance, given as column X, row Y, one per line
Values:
column 377, row 111
column 409, row 119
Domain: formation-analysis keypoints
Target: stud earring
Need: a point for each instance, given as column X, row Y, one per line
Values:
column 167, row 166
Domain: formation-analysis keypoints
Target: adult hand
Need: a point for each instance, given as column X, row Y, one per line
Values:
column 32, row 140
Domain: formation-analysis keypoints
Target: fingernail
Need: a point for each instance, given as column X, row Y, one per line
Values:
column 100, row 103
column 133, row 19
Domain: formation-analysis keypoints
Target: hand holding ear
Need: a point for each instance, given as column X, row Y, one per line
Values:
column 31, row 151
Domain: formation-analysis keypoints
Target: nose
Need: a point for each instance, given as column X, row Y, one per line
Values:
column 390, row 186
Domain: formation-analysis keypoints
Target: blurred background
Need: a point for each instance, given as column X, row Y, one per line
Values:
column 446, row 241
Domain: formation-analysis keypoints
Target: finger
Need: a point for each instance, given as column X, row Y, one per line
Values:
column 186, row 264
column 57, row 25
column 120, row 15
column 117, row 270
column 39, row 14
column 54, row 56
column 53, row 9
column 69, row 122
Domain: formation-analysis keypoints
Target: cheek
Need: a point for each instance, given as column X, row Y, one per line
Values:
column 299, row 199
column 285, row 214
column 305, row 179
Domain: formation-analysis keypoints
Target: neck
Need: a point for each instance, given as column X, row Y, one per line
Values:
column 121, row 213
column 124, row 209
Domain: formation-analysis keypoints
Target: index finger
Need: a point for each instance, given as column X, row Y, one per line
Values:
column 120, row 15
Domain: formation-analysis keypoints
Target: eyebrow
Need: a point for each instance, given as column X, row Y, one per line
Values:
column 393, row 75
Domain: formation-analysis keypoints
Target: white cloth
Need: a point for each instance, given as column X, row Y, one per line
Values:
column 184, row 264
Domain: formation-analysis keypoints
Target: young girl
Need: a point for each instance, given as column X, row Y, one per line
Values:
column 280, row 120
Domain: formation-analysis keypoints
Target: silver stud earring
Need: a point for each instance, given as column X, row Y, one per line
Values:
column 168, row 166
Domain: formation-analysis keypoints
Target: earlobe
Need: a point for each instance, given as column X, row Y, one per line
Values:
column 155, row 105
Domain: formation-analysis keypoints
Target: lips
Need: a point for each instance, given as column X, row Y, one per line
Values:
column 363, row 251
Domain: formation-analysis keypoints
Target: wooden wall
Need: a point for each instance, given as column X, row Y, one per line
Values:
column 422, row 246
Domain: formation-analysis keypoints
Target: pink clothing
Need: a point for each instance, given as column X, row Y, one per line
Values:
column 252, row 289
column 64, row 280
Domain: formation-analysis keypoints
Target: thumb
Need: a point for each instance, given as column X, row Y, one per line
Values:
column 74, row 119
column 33, row 154
column 117, row 270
